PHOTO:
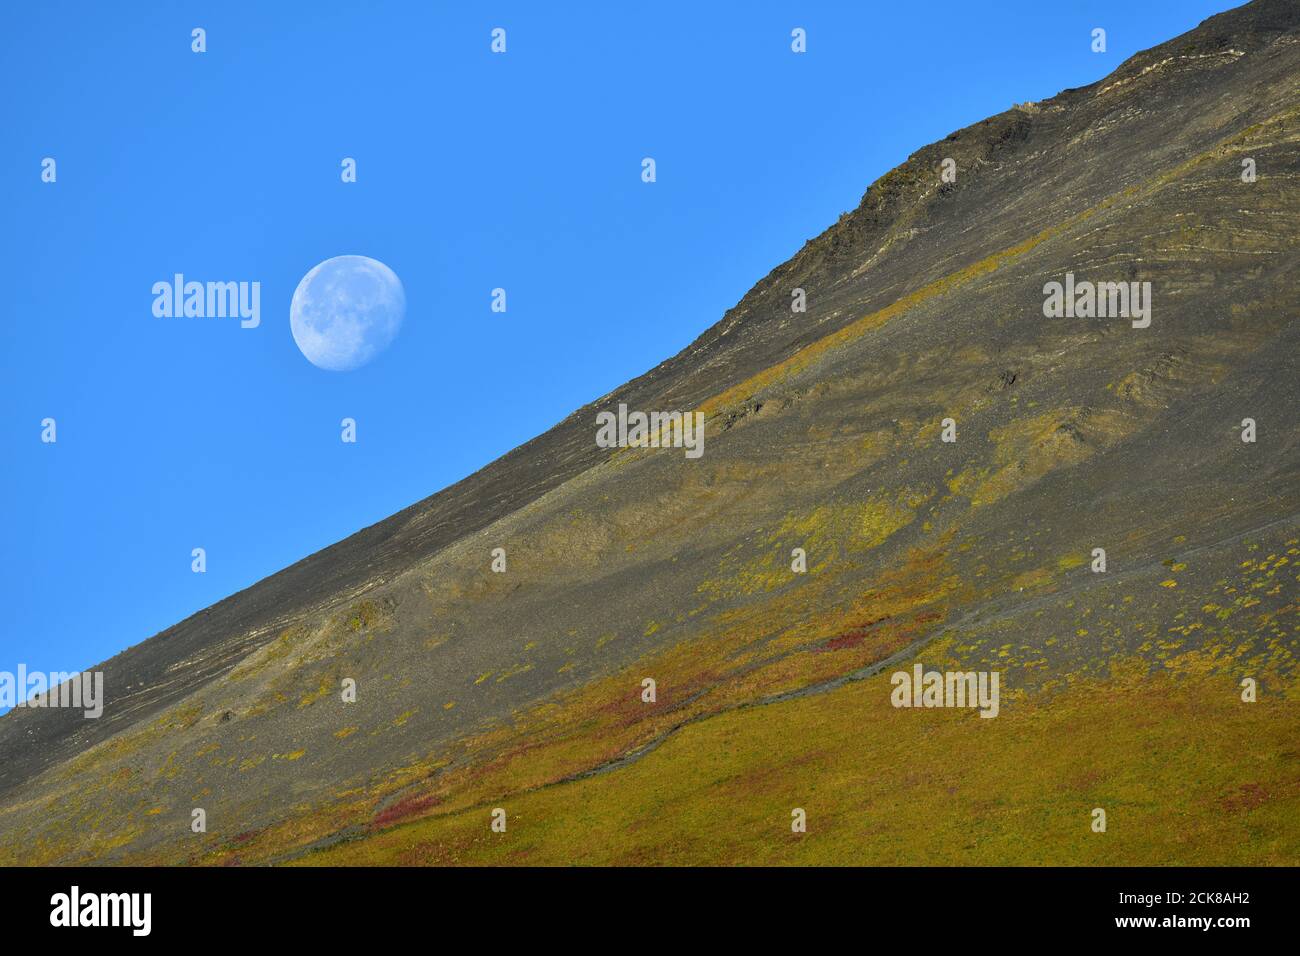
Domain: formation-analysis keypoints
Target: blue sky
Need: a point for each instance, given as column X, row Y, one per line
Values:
column 475, row 171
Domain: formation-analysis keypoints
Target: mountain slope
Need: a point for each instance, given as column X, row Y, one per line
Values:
column 523, row 689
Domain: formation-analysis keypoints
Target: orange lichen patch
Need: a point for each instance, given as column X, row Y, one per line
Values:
column 807, row 356
column 826, row 534
column 1029, row 449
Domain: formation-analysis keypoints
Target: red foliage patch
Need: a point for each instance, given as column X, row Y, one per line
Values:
column 406, row 807
column 851, row 639
column 1248, row 797
column 853, row 636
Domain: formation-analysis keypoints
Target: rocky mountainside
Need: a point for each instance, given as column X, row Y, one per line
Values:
column 826, row 431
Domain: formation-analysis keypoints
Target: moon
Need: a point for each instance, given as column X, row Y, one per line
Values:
column 345, row 311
